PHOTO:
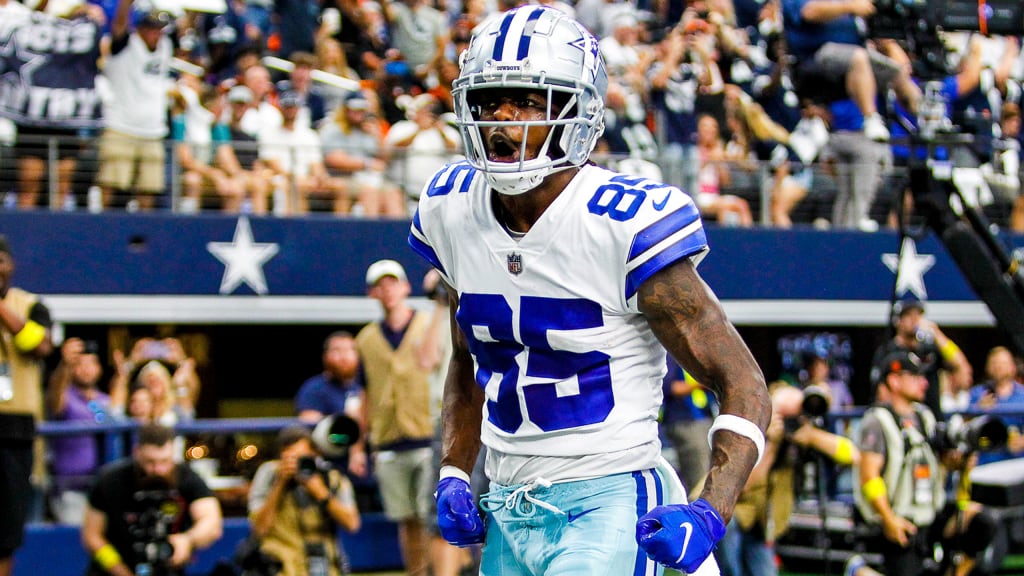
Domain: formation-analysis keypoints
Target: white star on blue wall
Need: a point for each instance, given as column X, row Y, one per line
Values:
column 243, row 259
column 909, row 270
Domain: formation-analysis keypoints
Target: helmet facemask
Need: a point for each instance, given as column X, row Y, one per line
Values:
column 572, row 82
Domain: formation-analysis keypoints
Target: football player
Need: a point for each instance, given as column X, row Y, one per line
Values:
column 567, row 283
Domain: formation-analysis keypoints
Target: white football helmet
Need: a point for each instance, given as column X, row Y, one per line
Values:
column 535, row 48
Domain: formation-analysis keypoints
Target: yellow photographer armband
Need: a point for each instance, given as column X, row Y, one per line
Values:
column 29, row 337
column 844, row 452
column 873, row 489
column 949, row 350
column 107, row 557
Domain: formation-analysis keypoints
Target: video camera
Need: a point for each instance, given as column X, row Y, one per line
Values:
column 919, row 22
column 979, row 434
column 155, row 512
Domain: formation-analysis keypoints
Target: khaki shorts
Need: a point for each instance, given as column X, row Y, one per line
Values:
column 128, row 162
column 406, row 480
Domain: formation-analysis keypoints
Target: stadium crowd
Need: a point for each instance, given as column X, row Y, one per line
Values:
column 764, row 111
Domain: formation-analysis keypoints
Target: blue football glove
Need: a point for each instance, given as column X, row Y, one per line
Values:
column 457, row 517
column 680, row 536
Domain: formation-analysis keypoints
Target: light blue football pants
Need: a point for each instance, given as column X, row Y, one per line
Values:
column 576, row 528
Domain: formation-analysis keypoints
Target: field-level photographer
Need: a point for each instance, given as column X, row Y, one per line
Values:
column 296, row 504
column 901, row 491
column 146, row 514
column 763, row 511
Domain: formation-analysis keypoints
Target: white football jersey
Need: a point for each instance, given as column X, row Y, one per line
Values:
column 568, row 364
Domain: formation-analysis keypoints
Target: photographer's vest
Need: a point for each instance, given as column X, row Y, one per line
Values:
column 912, row 475
column 24, row 370
column 397, row 389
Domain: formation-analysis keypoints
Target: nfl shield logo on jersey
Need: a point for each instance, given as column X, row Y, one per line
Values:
column 515, row 263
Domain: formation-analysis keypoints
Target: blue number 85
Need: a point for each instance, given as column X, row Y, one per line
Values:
column 486, row 320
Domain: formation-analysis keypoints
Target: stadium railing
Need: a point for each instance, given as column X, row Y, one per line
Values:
column 752, row 181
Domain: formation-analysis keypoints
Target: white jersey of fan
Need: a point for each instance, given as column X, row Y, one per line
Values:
column 570, row 368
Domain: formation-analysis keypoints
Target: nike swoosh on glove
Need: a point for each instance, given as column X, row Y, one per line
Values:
column 680, row 536
column 457, row 517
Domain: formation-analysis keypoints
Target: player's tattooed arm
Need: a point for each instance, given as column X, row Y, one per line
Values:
column 689, row 321
column 462, row 403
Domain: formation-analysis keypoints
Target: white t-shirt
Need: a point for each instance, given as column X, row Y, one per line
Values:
column 137, row 82
column 296, row 150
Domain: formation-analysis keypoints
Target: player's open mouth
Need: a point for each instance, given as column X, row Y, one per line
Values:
column 500, row 148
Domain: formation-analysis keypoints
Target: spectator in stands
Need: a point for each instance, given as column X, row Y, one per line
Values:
column 857, row 162
column 398, row 409
column 73, row 395
column 713, row 177
column 675, row 79
column 148, row 487
column 262, row 115
column 370, row 57
column 226, row 36
column 295, row 505
column 823, row 35
column 25, row 335
column 765, row 507
column 332, row 60
column 199, row 135
column 915, row 333
column 258, row 21
column 1002, row 390
column 627, row 60
column 420, row 145
column 686, row 420
column 339, row 388
column 352, row 143
column 294, row 156
column 131, row 148
column 343, row 28
column 298, row 22
column 240, row 158
column 300, row 81
column 419, row 32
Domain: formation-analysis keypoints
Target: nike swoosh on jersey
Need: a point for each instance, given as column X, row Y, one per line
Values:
column 573, row 517
column 688, row 528
column 659, row 206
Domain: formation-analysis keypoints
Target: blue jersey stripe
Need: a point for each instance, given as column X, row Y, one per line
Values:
column 524, row 39
column 662, row 229
column 684, row 248
column 424, row 250
column 416, row 221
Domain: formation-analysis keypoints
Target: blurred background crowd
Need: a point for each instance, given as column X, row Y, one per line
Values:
column 765, row 111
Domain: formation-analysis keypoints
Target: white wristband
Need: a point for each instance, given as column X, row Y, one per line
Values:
column 453, row 472
column 740, row 426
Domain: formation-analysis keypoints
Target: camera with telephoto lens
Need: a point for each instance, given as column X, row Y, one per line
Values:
column 816, row 401
column 308, row 466
column 979, row 434
column 155, row 513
